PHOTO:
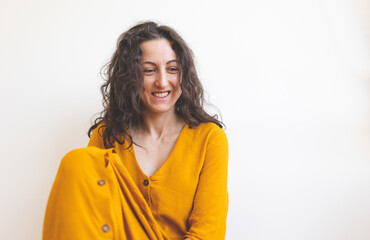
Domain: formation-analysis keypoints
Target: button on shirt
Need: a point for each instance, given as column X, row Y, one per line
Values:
column 101, row 182
column 105, row 228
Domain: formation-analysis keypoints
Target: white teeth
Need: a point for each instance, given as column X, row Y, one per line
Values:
column 161, row 95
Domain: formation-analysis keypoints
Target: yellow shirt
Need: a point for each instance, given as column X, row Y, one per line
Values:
column 188, row 195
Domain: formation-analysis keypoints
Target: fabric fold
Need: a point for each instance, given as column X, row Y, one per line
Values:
column 94, row 197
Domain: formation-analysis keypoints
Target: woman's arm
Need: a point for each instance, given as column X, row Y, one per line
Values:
column 208, row 217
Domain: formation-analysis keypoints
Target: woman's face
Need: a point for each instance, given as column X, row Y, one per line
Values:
column 161, row 76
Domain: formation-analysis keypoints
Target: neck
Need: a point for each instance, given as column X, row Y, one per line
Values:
column 158, row 125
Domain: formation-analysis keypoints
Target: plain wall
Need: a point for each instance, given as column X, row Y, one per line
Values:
column 291, row 79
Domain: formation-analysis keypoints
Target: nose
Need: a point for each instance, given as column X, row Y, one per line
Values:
column 161, row 80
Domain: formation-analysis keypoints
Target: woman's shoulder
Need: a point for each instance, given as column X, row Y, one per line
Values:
column 206, row 136
column 96, row 138
column 207, row 130
column 209, row 126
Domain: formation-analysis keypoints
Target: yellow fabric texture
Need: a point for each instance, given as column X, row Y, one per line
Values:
column 93, row 191
column 186, row 197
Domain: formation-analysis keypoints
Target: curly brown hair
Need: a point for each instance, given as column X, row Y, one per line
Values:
column 123, row 108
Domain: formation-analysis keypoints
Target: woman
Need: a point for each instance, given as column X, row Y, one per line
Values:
column 165, row 157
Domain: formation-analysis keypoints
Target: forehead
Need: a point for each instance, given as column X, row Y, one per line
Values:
column 157, row 50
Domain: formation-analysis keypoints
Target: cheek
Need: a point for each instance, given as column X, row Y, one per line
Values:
column 177, row 83
column 178, row 91
column 177, row 88
column 144, row 91
column 146, row 85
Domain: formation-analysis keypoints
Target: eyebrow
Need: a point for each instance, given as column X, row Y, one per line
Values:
column 149, row 62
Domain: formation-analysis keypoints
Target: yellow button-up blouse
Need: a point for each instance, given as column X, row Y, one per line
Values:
column 188, row 195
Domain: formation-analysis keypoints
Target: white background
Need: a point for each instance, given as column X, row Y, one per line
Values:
column 291, row 79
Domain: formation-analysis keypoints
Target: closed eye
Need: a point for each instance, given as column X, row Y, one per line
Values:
column 173, row 69
column 149, row 71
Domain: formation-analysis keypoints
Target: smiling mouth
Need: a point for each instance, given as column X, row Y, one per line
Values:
column 161, row 94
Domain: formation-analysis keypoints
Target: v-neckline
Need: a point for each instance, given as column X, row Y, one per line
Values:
column 165, row 162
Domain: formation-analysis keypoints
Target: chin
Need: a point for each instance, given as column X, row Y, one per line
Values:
column 160, row 110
